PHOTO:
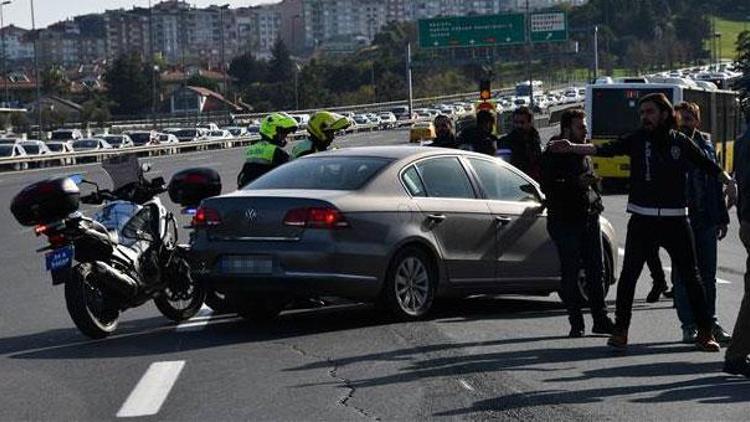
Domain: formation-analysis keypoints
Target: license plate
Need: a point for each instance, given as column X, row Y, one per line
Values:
column 246, row 264
column 59, row 258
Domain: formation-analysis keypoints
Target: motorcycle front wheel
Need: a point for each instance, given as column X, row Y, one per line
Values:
column 183, row 296
column 87, row 304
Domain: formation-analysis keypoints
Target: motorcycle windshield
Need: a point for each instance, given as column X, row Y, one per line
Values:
column 115, row 215
column 123, row 169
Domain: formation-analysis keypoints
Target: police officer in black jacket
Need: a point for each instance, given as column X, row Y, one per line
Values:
column 660, row 157
column 574, row 206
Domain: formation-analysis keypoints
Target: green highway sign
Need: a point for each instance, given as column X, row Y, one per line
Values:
column 548, row 27
column 472, row 31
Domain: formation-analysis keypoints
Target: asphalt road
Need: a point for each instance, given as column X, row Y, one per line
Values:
column 482, row 358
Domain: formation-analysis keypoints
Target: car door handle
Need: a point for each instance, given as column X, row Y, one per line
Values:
column 503, row 221
column 436, row 218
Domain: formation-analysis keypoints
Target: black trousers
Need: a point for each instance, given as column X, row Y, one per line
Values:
column 579, row 245
column 645, row 235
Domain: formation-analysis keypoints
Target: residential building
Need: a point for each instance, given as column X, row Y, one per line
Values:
column 268, row 28
column 19, row 45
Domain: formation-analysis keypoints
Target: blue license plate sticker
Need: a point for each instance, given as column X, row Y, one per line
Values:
column 59, row 258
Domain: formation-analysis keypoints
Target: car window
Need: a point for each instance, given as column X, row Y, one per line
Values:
column 413, row 183
column 327, row 173
column 501, row 183
column 445, row 178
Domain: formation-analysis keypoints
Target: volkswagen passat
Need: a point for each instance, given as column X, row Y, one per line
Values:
column 394, row 225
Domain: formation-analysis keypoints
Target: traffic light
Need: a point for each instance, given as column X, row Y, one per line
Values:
column 485, row 89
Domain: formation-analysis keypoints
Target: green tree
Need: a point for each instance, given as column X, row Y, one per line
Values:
column 246, row 69
column 54, row 82
column 96, row 110
column 128, row 82
column 281, row 66
column 743, row 65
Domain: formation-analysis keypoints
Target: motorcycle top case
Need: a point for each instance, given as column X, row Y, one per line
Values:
column 46, row 201
column 189, row 187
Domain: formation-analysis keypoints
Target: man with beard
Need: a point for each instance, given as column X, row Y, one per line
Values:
column 660, row 157
column 574, row 207
column 480, row 138
column 524, row 143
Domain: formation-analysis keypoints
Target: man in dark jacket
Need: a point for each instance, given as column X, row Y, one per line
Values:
column 524, row 143
column 736, row 359
column 444, row 135
column 709, row 219
column 480, row 137
column 574, row 206
column 659, row 159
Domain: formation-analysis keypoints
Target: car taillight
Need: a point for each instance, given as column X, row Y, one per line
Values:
column 205, row 217
column 316, row 218
column 40, row 229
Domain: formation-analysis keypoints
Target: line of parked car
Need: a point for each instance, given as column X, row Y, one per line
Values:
column 64, row 142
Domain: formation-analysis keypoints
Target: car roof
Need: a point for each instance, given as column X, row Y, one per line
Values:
column 398, row 152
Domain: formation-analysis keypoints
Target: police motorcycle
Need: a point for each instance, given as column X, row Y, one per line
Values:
column 122, row 257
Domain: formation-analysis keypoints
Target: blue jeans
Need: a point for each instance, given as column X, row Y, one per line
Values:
column 706, row 245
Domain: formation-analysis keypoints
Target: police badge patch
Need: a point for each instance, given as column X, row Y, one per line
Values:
column 676, row 152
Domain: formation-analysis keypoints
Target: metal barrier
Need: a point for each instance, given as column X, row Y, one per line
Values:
column 151, row 150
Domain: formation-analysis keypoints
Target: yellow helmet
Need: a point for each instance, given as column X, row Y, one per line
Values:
column 275, row 123
column 324, row 124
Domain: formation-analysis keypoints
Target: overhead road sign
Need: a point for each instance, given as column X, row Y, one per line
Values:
column 472, row 31
column 548, row 27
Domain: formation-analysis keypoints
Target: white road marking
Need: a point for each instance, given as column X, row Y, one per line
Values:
column 466, row 384
column 152, row 390
column 621, row 252
column 198, row 322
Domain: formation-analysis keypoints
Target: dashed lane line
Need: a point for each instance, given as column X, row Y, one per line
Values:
column 152, row 390
column 465, row 384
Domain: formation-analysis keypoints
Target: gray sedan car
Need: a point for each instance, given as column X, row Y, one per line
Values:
column 397, row 226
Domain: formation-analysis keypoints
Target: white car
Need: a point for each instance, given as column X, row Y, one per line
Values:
column 219, row 134
column 207, row 126
column 117, row 141
column 388, row 120
column 62, row 149
column 66, row 135
column 90, row 144
column 188, row 135
column 14, row 151
column 302, row 120
column 142, row 137
column 35, row 149
column 236, row 131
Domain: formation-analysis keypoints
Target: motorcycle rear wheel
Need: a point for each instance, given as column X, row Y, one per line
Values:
column 87, row 305
column 183, row 296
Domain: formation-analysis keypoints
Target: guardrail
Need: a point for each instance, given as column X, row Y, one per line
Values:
column 153, row 150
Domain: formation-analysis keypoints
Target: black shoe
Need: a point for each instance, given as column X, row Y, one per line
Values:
column 576, row 332
column 669, row 294
column 737, row 367
column 603, row 325
column 655, row 293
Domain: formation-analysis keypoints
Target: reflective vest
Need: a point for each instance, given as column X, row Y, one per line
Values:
column 260, row 153
column 303, row 148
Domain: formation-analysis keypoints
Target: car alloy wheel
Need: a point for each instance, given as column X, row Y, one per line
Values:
column 410, row 284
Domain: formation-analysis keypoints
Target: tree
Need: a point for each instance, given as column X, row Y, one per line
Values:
column 281, row 66
column 743, row 65
column 246, row 69
column 202, row 81
column 129, row 85
column 96, row 110
column 54, row 82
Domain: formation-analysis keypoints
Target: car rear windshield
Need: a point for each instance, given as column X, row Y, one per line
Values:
column 325, row 173
column 55, row 147
column 114, row 140
column 61, row 135
column 31, row 149
column 6, row 150
column 186, row 133
column 140, row 138
column 85, row 144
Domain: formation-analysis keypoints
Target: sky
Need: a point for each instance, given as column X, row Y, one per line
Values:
column 18, row 12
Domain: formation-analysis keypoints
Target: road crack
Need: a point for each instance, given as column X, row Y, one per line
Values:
column 344, row 401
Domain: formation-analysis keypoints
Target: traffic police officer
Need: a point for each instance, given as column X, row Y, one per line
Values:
column 268, row 153
column 322, row 128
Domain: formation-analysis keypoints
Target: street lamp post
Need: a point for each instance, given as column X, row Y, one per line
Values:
column 5, row 72
column 297, row 69
column 36, row 73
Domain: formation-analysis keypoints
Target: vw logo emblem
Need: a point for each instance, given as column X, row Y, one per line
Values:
column 251, row 215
